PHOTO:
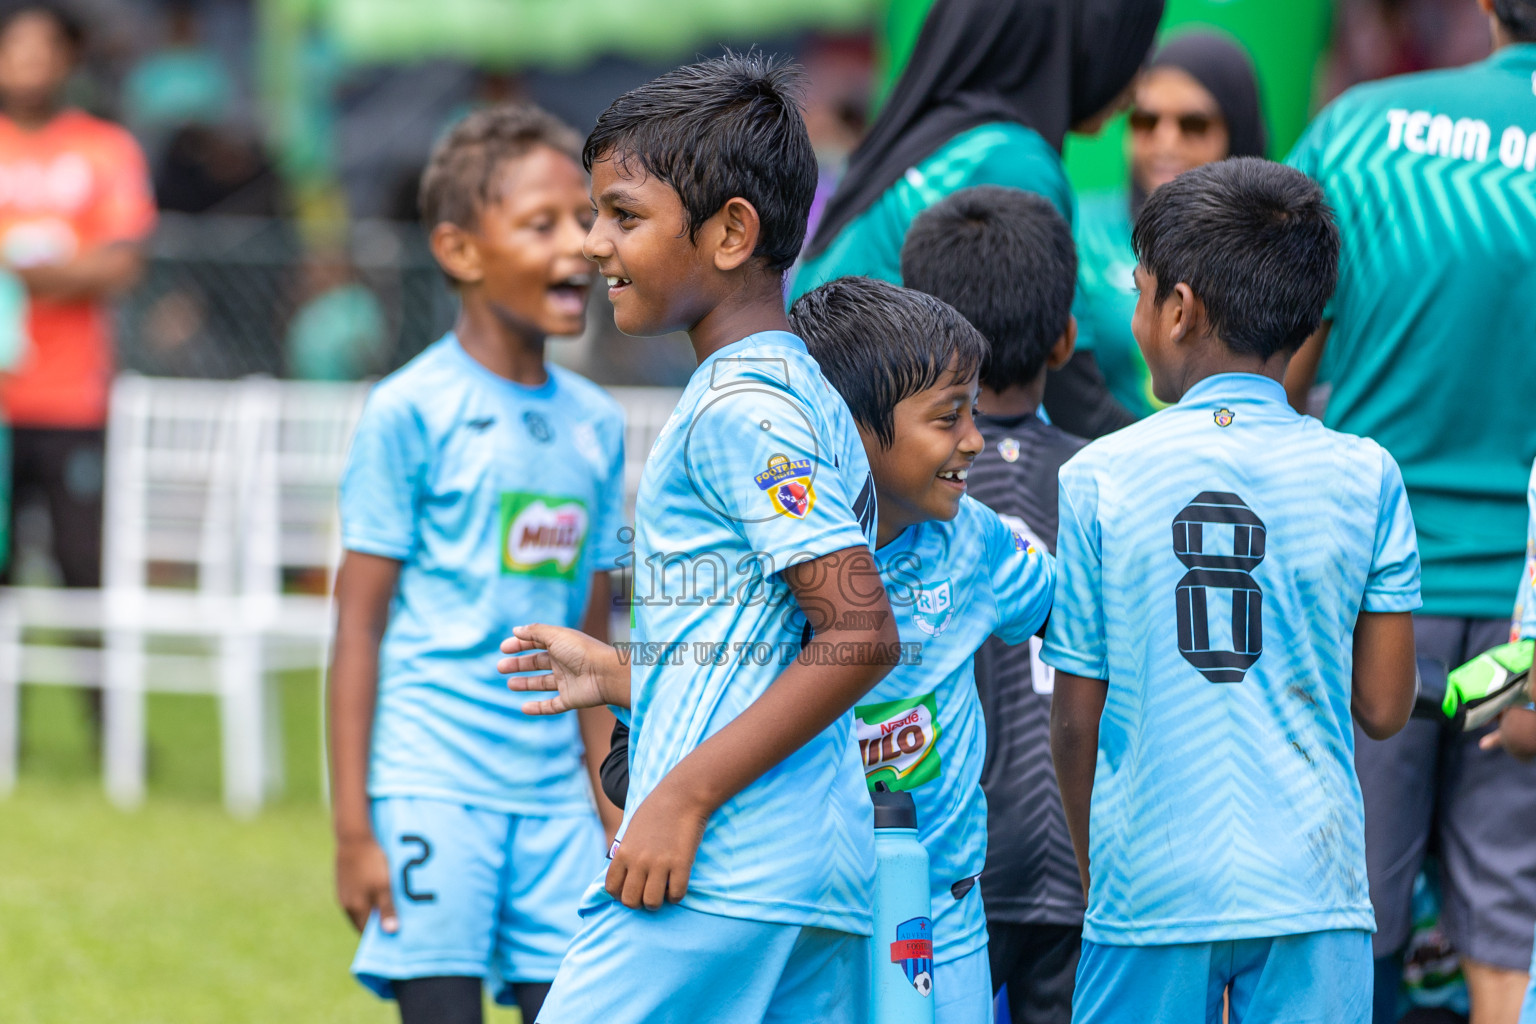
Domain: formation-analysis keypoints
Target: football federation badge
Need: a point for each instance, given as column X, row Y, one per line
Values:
column 788, row 485
column 935, row 605
column 1223, row 417
column 913, row 950
column 1008, row 448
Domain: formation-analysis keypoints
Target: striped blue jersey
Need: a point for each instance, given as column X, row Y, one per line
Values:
column 500, row 501
column 921, row 729
column 759, row 466
column 1211, row 562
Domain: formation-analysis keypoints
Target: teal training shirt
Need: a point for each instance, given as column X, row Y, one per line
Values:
column 1433, row 346
column 1106, row 298
column 1001, row 153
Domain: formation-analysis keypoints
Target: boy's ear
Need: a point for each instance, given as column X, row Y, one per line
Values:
column 456, row 252
column 1065, row 345
column 734, row 231
column 1181, row 311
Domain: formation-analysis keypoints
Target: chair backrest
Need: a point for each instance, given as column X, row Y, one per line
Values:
column 171, row 488
column 646, row 411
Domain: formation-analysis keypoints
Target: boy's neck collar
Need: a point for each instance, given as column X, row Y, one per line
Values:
column 751, row 310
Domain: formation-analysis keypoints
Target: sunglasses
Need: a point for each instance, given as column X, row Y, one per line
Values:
column 1191, row 126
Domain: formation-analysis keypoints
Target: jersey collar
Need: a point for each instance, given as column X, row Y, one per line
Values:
column 777, row 339
column 1516, row 57
column 1234, row 387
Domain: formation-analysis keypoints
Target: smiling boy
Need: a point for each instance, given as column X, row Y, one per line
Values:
column 1221, row 565
column 739, row 886
column 483, row 487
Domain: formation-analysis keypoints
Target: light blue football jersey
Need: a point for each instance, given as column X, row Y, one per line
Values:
column 1211, row 562
column 951, row 585
column 759, row 466
column 1525, row 598
column 500, row 501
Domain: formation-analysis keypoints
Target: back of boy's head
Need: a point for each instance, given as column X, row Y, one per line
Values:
column 718, row 129
column 879, row 344
column 1005, row 259
column 1255, row 241
column 461, row 175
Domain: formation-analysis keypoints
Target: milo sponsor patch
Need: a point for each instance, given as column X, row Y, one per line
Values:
column 541, row 535
column 898, row 741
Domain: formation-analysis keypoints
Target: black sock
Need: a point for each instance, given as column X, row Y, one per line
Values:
column 452, row 1000
column 530, row 996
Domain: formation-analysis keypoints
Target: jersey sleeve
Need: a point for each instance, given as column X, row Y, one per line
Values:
column 762, row 455
column 1023, row 580
column 125, row 206
column 1075, row 640
column 1393, row 583
column 1525, row 598
column 610, row 546
column 383, row 476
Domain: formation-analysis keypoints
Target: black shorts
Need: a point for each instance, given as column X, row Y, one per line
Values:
column 1429, row 784
column 1038, row 963
column 62, row 469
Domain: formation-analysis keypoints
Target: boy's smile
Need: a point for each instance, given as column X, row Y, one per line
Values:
column 640, row 243
column 922, row 475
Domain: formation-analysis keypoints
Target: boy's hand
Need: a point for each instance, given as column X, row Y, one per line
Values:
column 362, row 883
column 586, row 673
column 654, row 859
column 1516, row 733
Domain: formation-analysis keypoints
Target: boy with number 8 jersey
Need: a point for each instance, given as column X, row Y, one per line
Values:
column 484, row 487
column 1233, row 581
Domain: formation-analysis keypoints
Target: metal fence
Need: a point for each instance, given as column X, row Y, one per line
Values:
column 225, row 297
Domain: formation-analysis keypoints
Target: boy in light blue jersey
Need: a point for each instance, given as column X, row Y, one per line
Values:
column 908, row 366
column 484, row 487
column 1219, row 564
column 739, row 886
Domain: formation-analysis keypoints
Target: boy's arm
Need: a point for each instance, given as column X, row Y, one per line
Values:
column 1385, row 677
column 653, row 862
column 365, row 585
column 1076, row 706
column 597, row 722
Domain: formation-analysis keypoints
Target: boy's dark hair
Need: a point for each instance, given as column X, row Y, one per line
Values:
column 1004, row 258
column 879, row 344
column 720, row 128
column 461, row 172
column 1518, row 18
column 1254, row 240
column 70, row 28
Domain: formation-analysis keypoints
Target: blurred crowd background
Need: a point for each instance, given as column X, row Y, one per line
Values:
column 285, row 139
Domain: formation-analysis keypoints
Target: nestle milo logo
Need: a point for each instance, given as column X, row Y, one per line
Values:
column 541, row 535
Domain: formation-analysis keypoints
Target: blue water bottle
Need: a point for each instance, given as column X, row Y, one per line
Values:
column 901, row 952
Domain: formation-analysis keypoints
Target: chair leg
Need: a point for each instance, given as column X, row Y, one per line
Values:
column 274, row 775
column 10, row 695
column 123, row 717
column 241, row 714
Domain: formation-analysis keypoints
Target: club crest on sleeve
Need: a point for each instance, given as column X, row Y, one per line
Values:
column 1223, row 417
column 788, row 486
column 1008, row 448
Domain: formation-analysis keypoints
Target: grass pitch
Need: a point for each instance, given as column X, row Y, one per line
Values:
column 176, row 912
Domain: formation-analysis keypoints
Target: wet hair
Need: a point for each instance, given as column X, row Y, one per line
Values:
column 719, row 129
column 69, row 27
column 1518, row 18
column 1004, row 258
column 460, row 176
column 879, row 344
column 1254, row 240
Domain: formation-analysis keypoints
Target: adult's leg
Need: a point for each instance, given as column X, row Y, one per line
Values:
column 74, row 484
column 448, row 1000
column 1044, row 973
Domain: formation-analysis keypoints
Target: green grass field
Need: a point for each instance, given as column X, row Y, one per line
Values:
column 176, row 912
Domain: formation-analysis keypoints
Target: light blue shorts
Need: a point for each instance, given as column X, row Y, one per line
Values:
column 477, row 893
column 682, row 966
column 962, row 990
column 1317, row 978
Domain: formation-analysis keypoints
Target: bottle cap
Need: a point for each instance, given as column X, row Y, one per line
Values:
column 893, row 809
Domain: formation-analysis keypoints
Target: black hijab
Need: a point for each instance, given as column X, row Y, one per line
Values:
column 1225, row 70
column 1046, row 64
